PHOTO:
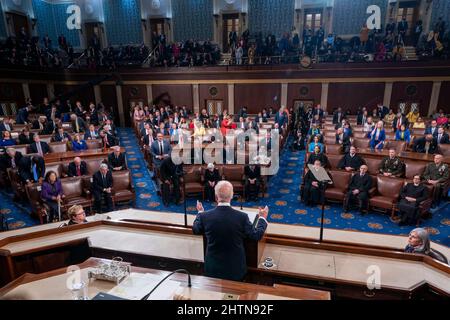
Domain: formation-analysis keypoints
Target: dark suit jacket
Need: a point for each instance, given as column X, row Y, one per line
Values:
column 81, row 125
column 72, row 170
column 58, row 138
column 6, row 160
column 2, row 127
column 98, row 184
column 404, row 121
column 88, row 135
column 337, row 119
column 24, row 140
column 428, row 131
column 444, row 140
column 22, row 116
column 111, row 141
column 44, row 146
column 114, row 162
column 225, row 230
column 363, row 184
column 25, row 168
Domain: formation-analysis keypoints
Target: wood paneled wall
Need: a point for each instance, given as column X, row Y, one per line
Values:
column 84, row 94
column 12, row 92
column 179, row 94
column 304, row 91
column 402, row 92
column 109, row 98
column 444, row 97
column 354, row 95
column 257, row 96
column 38, row 92
column 205, row 94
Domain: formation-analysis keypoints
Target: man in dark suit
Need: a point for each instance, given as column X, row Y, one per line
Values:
column 61, row 136
column 32, row 169
column 442, row 137
column 78, row 124
column 343, row 138
column 22, row 115
column 399, row 121
column 116, row 160
column 362, row 117
column 6, row 125
column 427, row 144
column 108, row 141
column 433, row 129
column 39, row 146
column 358, row 188
column 318, row 111
column 351, row 161
column 281, row 118
column 102, row 183
column 77, row 168
column 226, row 230
column 160, row 150
column 91, row 133
column 11, row 159
column 402, row 28
column 338, row 116
column 382, row 111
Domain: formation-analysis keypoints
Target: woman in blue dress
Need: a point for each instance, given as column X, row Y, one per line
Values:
column 377, row 137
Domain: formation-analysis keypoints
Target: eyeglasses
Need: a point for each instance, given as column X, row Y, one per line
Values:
column 81, row 213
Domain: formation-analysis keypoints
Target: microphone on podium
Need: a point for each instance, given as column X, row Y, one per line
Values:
column 165, row 278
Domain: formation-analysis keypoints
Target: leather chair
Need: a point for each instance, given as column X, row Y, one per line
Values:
column 338, row 189
column 58, row 147
column 46, row 138
column 333, row 160
column 235, row 175
column 331, row 134
column 386, row 193
column 413, row 168
column 93, row 165
column 398, row 146
column 361, row 143
column 123, row 190
column 37, row 207
column 94, row 144
column 16, row 183
column 333, row 149
column 57, row 168
column 76, row 193
column 390, row 136
column 444, row 149
column 358, row 129
column 329, row 140
column 193, row 181
column 373, row 165
column 359, row 135
column 22, row 148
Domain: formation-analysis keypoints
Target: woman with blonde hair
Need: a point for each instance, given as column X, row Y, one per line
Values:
column 377, row 136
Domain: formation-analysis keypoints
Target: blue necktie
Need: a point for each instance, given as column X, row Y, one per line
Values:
column 35, row 175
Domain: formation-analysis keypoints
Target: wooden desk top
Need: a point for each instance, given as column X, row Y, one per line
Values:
column 52, row 286
column 404, row 154
column 69, row 155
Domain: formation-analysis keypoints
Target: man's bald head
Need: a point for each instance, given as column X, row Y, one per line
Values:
column 224, row 191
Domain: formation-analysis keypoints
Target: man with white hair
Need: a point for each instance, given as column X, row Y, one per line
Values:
column 226, row 229
column 102, row 183
column 116, row 160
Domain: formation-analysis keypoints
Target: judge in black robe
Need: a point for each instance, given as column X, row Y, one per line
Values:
column 211, row 178
column 312, row 194
column 317, row 155
column 358, row 189
column 410, row 198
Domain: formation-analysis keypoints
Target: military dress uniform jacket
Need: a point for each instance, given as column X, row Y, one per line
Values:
column 394, row 166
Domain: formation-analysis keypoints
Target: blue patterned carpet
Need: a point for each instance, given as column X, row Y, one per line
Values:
column 282, row 199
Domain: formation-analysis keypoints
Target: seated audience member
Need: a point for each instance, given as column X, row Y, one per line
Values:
column 102, row 183
column 351, row 161
column 32, row 169
column 40, row 124
column 389, row 118
column 91, row 134
column 61, row 136
column 419, row 124
column 399, row 121
column 148, row 138
column 252, row 182
column 22, row 114
column 77, row 168
column 432, row 129
column 260, row 118
column 313, row 131
column 78, row 124
column 442, row 120
column 7, row 141
column 211, row 177
column 318, row 155
column 312, row 195
column 377, row 137
column 427, row 144
column 338, row 116
column 281, row 118
column 369, row 125
column 108, row 141
column 11, row 159
column 315, row 143
column 138, row 114
column 39, row 147
column 78, row 144
column 116, row 160
column 411, row 196
column 26, row 137
column 77, row 215
column 170, row 174
column 419, row 242
column 52, row 195
column 362, row 118
column 160, row 150
column 343, row 139
column 442, row 137
column 392, row 166
column 413, row 115
column 6, row 125
column 436, row 174
column 403, row 134
column 358, row 189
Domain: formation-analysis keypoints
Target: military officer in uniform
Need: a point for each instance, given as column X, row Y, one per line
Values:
column 437, row 175
column 392, row 166
column 410, row 198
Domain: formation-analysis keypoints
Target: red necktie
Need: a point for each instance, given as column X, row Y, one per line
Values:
column 78, row 171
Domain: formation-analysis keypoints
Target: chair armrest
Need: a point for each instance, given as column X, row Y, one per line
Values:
column 372, row 191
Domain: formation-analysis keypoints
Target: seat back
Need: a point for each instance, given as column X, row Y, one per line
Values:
column 56, row 167
column 329, row 140
column 94, row 144
column 359, row 135
column 121, row 180
column 34, row 195
column 341, row 179
column 72, row 187
column 389, row 187
column 334, row 159
column 93, row 165
column 233, row 172
column 333, row 149
column 373, row 165
column 361, row 143
column 398, row 146
column 22, row 148
column 444, row 149
column 413, row 168
column 46, row 138
column 58, row 147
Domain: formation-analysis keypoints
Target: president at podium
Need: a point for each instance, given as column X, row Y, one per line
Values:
column 225, row 230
